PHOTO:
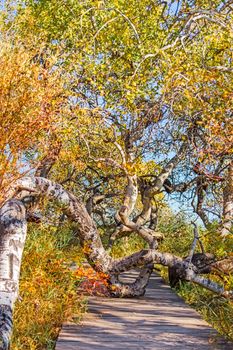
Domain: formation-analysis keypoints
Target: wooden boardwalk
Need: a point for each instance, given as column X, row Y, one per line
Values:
column 158, row 321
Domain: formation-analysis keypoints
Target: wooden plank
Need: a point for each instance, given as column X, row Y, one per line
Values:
column 159, row 321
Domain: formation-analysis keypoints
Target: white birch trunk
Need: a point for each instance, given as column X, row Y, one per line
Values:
column 13, row 230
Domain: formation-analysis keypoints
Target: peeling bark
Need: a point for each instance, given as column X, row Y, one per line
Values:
column 130, row 197
column 201, row 261
column 6, row 325
column 136, row 288
column 188, row 271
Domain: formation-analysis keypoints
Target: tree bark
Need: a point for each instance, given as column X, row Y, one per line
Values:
column 13, row 230
column 227, row 216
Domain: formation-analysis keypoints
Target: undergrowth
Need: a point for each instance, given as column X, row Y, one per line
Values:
column 127, row 246
column 48, row 289
column 216, row 310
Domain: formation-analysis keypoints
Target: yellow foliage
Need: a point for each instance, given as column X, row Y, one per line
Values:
column 48, row 291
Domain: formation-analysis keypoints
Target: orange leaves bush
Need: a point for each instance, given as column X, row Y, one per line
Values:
column 92, row 282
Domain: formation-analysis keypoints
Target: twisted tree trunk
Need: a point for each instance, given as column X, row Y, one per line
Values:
column 13, row 228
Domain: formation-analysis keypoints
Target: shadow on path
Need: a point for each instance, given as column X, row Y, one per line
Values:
column 158, row 321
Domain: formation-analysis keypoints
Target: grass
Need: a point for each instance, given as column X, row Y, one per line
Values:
column 48, row 289
column 216, row 310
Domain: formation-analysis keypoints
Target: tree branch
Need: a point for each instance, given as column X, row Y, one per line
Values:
column 188, row 271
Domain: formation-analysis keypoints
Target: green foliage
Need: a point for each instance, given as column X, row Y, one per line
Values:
column 214, row 242
column 127, row 245
column 178, row 237
column 178, row 234
column 216, row 310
